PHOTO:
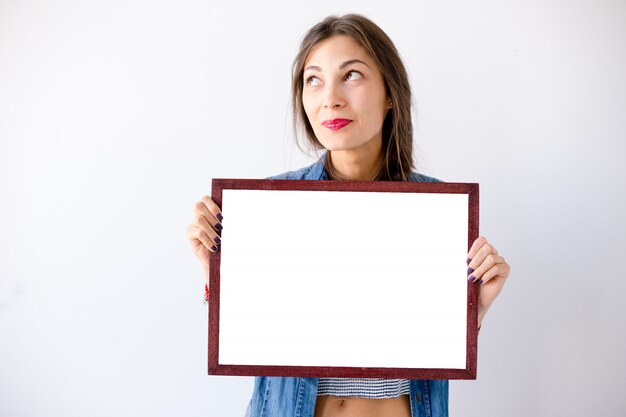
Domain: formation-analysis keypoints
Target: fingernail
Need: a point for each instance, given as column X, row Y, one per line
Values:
column 218, row 226
column 471, row 278
column 470, row 270
column 214, row 248
column 468, row 261
column 217, row 239
column 219, row 217
column 480, row 281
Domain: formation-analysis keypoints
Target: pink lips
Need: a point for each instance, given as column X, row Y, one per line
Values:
column 336, row 124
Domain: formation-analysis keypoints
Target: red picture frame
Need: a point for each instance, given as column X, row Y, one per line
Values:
column 467, row 372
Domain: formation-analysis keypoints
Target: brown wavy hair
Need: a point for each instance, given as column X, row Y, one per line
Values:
column 397, row 131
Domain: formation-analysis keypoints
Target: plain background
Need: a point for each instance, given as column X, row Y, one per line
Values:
column 115, row 115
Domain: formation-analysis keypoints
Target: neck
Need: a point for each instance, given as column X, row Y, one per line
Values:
column 355, row 164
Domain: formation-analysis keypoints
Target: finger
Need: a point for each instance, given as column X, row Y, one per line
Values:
column 489, row 261
column 196, row 233
column 478, row 243
column 482, row 249
column 201, row 211
column 213, row 208
column 202, row 223
column 498, row 270
column 484, row 259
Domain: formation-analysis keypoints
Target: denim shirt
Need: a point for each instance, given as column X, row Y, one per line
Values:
column 296, row 397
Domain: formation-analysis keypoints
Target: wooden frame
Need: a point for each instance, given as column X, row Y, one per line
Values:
column 248, row 294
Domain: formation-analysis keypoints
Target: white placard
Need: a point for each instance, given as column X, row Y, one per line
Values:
column 338, row 278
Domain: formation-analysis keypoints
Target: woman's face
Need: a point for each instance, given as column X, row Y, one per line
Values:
column 344, row 96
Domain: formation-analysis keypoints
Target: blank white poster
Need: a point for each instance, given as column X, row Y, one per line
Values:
column 334, row 278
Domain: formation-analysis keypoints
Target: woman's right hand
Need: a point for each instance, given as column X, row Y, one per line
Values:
column 203, row 232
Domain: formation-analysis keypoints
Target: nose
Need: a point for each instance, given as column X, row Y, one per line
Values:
column 333, row 97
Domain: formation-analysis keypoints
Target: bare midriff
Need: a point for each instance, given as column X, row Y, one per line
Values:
column 331, row 406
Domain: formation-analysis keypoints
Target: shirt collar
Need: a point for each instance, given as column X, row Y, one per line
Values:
column 318, row 172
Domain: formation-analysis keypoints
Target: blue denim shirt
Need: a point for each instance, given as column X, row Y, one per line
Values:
column 295, row 397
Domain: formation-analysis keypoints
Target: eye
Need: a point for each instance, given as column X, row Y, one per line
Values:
column 353, row 75
column 313, row 81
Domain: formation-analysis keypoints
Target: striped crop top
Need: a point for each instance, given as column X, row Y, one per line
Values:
column 363, row 387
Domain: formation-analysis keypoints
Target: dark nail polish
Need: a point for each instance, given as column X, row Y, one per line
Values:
column 470, row 270
column 468, row 261
column 214, row 248
column 217, row 239
column 218, row 226
column 480, row 281
column 219, row 217
column 471, row 278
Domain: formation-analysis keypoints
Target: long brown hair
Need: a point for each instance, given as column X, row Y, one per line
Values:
column 397, row 132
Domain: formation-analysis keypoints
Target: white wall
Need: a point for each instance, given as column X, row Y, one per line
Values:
column 115, row 115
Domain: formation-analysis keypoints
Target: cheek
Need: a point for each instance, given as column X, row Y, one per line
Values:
column 372, row 108
column 308, row 105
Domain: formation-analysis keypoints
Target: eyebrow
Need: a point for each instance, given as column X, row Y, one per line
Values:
column 342, row 66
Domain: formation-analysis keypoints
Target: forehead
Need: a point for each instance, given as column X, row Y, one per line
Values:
column 338, row 48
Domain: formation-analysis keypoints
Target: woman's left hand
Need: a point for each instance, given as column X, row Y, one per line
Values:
column 490, row 270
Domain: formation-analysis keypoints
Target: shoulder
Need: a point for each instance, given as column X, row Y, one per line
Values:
column 417, row 177
column 315, row 171
column 298, row 174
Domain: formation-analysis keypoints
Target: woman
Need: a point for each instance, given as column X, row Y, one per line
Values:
column 351, row 95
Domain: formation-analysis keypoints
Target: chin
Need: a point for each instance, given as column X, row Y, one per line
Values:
column 338, row 148
column 331, row 147
column 338, row 145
